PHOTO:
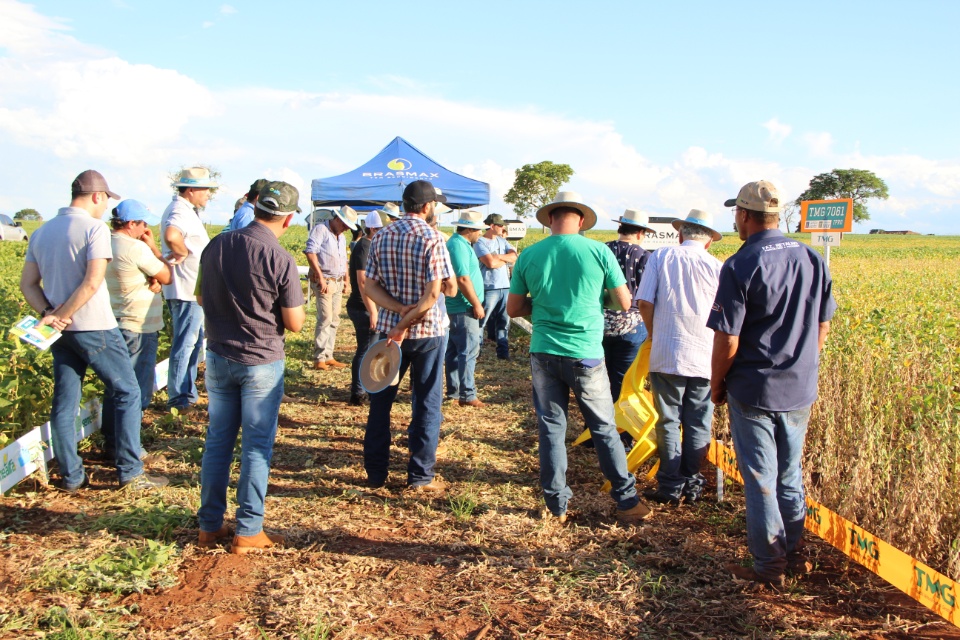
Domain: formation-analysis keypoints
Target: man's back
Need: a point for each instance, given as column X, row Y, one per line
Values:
column 566, row 276
column 773, row 294
column 62, row 248
column 681, row 283
column 404, row 257
column 247, row 278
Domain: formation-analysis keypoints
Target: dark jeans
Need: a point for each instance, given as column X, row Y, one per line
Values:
column 495, row 321
column 105, row 353
column 424, row 358
column 365, row 337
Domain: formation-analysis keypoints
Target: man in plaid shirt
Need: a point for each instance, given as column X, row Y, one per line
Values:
column 408, row 272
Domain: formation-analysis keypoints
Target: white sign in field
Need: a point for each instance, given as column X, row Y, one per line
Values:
column 825, row 239
column 664, row 235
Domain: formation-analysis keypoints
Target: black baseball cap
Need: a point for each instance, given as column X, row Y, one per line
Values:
column 421, row 192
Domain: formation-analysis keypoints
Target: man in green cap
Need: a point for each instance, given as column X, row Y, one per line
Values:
column 250, row 293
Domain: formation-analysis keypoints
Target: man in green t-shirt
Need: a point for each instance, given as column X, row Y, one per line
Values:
column 465, row 310
column 561, row 282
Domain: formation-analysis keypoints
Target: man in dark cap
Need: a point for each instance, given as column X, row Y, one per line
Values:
column 251, row 295
column 63, row 279
column 408, row 271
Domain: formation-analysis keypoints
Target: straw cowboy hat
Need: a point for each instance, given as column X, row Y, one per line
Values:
column 392, row 211
column 380, row 367
column 348, row 216
column 196, row 177
column 701, row 219
column 568, row 199
column 470, row 220
column 635, row 218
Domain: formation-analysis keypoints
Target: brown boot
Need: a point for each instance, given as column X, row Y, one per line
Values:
column 634, row 515
column 245, row 544
column 210, row 539
column 336, row 365
column 322, row 366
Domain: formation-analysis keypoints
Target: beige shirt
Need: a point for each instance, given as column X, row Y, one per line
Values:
column 136, row 308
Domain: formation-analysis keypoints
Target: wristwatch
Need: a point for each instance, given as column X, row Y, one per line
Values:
column 46, row 312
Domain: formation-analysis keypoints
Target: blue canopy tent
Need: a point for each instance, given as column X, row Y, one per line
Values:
column 384, row 178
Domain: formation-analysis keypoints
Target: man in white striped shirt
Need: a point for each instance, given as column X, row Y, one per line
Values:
column 675, row 295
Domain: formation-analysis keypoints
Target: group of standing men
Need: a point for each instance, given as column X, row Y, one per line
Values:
column 746, row 333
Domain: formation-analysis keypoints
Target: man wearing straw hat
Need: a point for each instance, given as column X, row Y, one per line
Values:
column 251, row 295
column 496, row 254
column 182, row 239
column 361, row 310
column 326, row 253
column 771, row 317
column 674, row 297
column 406, row 274
column 465, row 311
column 561, row 282
column 623, row 330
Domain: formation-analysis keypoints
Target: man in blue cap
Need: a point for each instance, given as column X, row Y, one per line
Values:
column 134, row 277
column 771, row 317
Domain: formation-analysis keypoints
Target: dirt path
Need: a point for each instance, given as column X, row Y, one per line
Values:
column 378, row 564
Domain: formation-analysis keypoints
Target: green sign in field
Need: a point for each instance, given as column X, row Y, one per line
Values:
column 826, row 215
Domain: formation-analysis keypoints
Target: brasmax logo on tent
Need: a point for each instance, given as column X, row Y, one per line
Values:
column 400, row 168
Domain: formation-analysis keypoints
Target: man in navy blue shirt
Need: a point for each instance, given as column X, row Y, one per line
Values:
column 770, row 319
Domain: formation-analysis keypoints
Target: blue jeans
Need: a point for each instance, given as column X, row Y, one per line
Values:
column 106, row 354
column 681, row 400
column 461, row 356
column 243, row 397
column 424, row 358
column 143, row 357
column 365, row 337
column 495, row 319
column 619, row 352
column 769, row 447
column 553, row 378
column 187, row 341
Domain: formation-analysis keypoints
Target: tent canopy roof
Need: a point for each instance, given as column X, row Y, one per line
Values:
column 383, row 179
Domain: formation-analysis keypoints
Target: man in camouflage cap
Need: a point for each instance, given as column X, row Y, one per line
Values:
column 250, row 293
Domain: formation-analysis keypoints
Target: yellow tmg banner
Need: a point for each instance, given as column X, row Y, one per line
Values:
column 930, row 588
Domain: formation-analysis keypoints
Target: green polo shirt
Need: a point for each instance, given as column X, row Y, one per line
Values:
column 465, row 263
column 566, row 277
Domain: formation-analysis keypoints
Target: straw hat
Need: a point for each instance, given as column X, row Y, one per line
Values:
column 568, row 199
column 470, row 220
column 348, row 216
column 196, row 177
column 701, row 219
column 380, row 367
column 635, row 218
column 392, row 210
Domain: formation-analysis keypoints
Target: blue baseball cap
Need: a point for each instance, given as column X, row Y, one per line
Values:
column 133, row 210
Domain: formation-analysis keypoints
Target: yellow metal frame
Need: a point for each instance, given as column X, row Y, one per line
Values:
column 634, row 414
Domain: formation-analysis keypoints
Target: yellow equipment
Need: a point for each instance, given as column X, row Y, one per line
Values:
column 634, row 413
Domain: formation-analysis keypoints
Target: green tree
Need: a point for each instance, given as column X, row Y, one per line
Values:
column 859, row 184
column 536, row 185
column 28, row 214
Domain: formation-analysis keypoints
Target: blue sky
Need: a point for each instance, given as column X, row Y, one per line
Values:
column 659, row 106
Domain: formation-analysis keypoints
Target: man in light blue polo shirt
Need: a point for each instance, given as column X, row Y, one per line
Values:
column 771, row 317
column 465, row 311
column 495, row 254
column 63, row 279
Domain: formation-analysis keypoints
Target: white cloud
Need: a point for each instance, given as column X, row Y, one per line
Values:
column 778, row 132
column 207, row 24
column 66, row 106
column 227, row 9
column 818, row 143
